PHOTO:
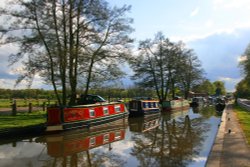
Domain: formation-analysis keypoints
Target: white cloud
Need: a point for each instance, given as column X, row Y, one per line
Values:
column 209, row 23
column 231, row 4
column 229, row 82
column 200, row 159
column 241, row 58
column 195, row 12
column 228, row 79
column 195, row 37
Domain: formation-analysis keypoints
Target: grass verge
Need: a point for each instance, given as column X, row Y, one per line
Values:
column 244, row 120
column 22, row 120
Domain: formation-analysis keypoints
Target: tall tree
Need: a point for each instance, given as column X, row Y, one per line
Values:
column 190, row 72
column 165, row 66
column 65, row 41
column 220, row 88
column 245, row 63
column 243, row 87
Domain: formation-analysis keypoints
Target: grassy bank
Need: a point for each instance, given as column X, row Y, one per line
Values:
column 244, row 120
column 22, row 120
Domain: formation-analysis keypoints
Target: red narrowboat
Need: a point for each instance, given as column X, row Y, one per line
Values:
column 79, row 116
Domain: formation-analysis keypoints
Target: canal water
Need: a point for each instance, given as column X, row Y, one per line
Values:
column 176, row 139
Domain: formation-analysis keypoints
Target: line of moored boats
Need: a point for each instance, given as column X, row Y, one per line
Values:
column 94, row 110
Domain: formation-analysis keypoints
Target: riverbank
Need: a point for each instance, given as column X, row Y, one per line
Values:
column 230, row 146
column 244, row 120
column 22, row 124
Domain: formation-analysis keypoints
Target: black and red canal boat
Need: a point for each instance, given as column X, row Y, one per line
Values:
column 80, row 116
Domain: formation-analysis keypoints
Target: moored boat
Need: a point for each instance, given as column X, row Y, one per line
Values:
column 220, row 104
column 142, row 106
column 173, row 105
column 197, row 102
column 79, row 116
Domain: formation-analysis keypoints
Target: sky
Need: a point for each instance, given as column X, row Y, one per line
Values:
column 217, row 30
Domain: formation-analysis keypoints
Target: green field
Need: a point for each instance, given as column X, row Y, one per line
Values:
column 244, row 120
column 22, row 120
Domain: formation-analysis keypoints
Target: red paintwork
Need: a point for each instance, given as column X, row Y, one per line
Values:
column 75, row 145
column 78, row 114
column 74, row 114
column 54, row 116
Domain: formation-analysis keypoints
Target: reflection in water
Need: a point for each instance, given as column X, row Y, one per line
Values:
column 143, row 124
column 173, row 139
column 175, row 143
column 73, row 148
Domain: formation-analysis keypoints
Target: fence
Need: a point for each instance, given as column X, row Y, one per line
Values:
column 23, row 105
column 244, row 103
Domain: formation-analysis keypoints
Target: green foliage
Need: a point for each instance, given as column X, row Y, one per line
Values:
column 205, row 87
column 220, row 87
column 243, row 89
column 22, row 120
column 123, row 93
column 245, row 63
column 27, row 94
column 244, row 120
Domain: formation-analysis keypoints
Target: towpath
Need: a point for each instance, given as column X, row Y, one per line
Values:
column 230, row 148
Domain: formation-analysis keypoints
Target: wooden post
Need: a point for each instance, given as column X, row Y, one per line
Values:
column 13, row 108
column 13, row 144
column 44, row 105
column 30, row 107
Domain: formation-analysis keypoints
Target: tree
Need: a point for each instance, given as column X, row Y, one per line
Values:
column 165, row 66
column 220, row 88
column 189, row 71
column 243, row 87
column 245, row 63
column 205, row 87
column 65, row 41
column 149, row 66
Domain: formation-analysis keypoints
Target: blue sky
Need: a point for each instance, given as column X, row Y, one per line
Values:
column 217, row 30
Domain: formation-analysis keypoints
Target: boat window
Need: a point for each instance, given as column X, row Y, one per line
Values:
column 92, row 142
column 145, row 105
column 106, row 138
column 117, row 135
column 152, row 105
column 117, row 108
column 92, row 113
column 134, row 105
column 105, row 110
